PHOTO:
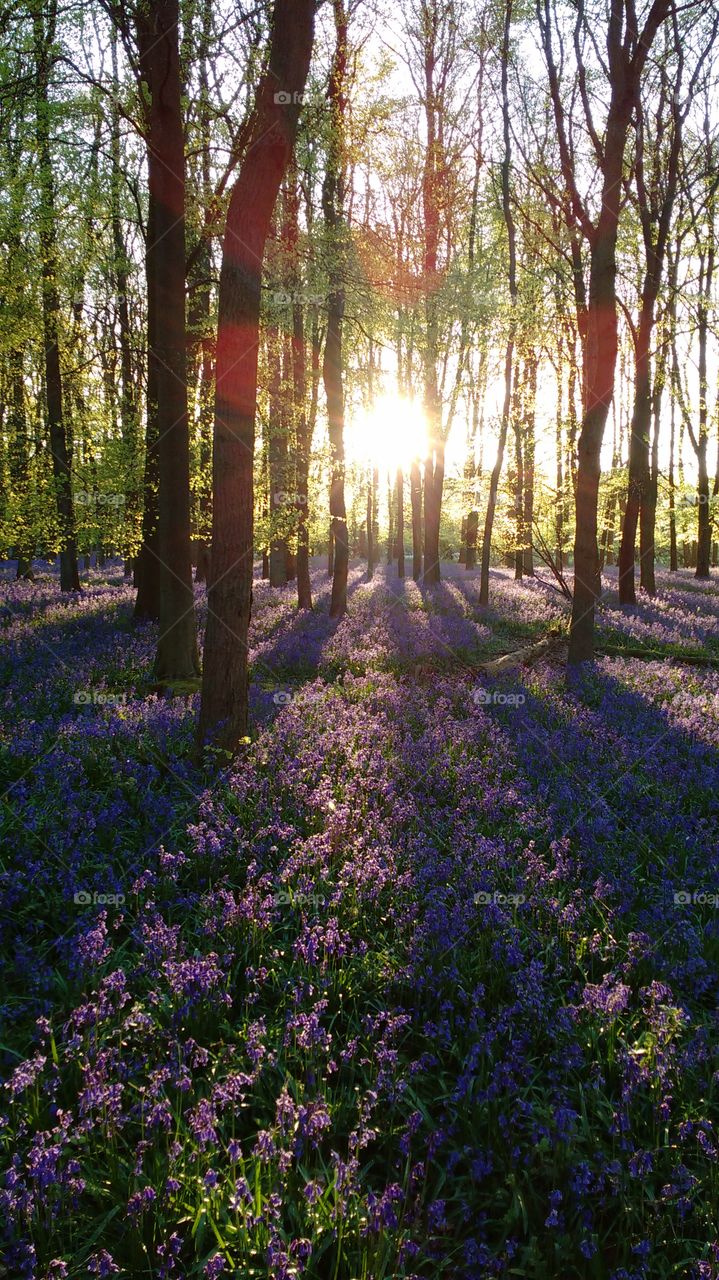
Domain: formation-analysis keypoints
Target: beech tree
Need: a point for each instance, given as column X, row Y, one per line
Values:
column 44, row 28
column 627, row 46
column 656, row 176
column 333, row 195
column 273, row 128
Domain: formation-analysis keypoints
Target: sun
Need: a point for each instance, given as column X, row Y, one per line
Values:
column 388, row 434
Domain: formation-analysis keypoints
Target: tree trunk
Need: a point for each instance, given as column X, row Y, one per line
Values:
column 333, row 209
column 471, row 546
column 370, row 529
column 601, row 356
column 277, row 462
column 601, row 362
column 129, row 405
column 157, row 30
column 673, row 556
column 18, row 457
column 147, row 564
column 509, row 354
column 648, row 512
column 223, row 711
column 44, row 23
column 638, row 452
column 497, row 470
column 400, row 523
column 627, row 51
column 415, row 493
column 518, row 499
column 303, row 422
column 703, row 563
column 529, row 452
column 559, row 499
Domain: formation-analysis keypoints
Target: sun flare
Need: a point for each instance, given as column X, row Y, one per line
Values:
column 388, row 434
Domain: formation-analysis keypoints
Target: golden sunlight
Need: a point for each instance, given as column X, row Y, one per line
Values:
column 388, row 434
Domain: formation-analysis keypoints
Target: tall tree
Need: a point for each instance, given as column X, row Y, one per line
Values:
column 273, row 128
column 508, row 214
column 159, row 64
column 333, row 196
column 656, row 174
column 627, row 48
column 44, row 31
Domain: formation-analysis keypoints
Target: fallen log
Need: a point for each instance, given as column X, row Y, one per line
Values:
column 650, row 655
column 525, row 657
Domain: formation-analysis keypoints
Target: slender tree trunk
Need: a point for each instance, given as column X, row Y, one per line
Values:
column 333, row 209
column 18, row 458
column 129, row 405
column 431, row 178
column 509, row 354
column 648, row 512
column 559, row 500
column 673, row 557
column 200, row 328
column 703, row 563
column 44, row 22
column 497, row 470
column 415, row 493
column 472, row 530
column 303, row 422
column 223, row 711
column 304, row 446
column 147, row 564
column 400, row 522
column 176, row 657
column 638, row 453
column 370, row 529
column 518, row 495
column 529, row 452
column 277, row 461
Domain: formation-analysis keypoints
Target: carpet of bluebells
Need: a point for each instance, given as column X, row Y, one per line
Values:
column 423, row 984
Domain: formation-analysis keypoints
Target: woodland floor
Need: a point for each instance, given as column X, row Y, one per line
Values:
column 424, row 984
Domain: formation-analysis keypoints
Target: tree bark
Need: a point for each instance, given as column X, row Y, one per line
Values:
column 400, row 522
column 44, row 22
column 627, row 50
column 370, row 529
column 303, row 422
column 147, row 565
column 223, row 710
column 415, row 493
column 159, row 62
column 509, row 354
column 333, row 209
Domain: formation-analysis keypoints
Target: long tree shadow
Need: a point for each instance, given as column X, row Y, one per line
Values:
column 627, row 793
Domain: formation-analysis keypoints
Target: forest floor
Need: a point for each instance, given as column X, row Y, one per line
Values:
column 424, row 984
